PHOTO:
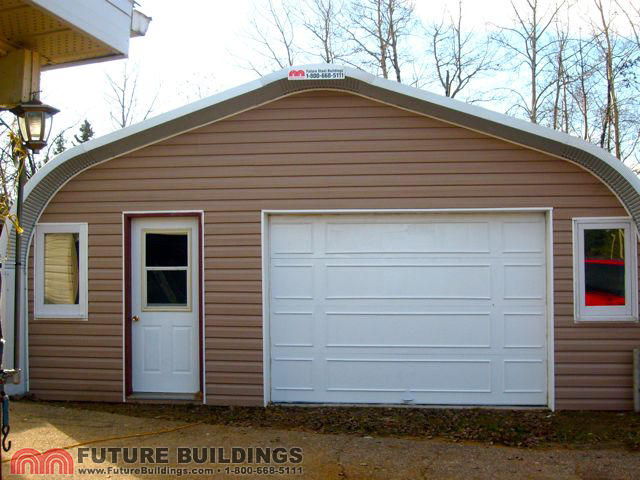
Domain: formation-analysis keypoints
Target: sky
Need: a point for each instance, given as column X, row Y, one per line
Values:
column 195, row 48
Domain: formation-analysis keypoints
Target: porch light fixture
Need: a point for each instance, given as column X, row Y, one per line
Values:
column 34, row 121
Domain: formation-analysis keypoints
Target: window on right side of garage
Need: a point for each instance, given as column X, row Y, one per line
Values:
column 604, row 269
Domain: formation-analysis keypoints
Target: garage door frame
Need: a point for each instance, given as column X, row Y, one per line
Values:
column 265, row 247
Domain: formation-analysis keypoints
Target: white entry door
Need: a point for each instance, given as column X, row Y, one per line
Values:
column 408, row 308
column 164, row 305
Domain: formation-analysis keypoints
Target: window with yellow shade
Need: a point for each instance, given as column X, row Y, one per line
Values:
column 60, row 271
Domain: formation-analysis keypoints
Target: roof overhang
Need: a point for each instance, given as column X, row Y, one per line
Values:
column 67, row 32
column 55, row 174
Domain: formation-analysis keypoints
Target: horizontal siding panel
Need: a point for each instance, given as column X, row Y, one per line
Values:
column 381, row 132
column 234, row 355
column 237, row 367
column 64, row 363
column 323, row 112
column 593, row 381
column 221, row 274
column 605, row 393
column 302, row 148
column 234, row 343
column 588, row 369
column 232, row 389
column 233, row 297
column 234, row 286
column 235, row 332
column 595, row 194
column 160, row 158
column 216, row 320
column 326, row 181
column 89, row 385
column 78, row 328
column 603, row 333
column 241, row 378
column 613, row 404
column 592, row 345
column 592, row 357
column 231, row 309
column 234, row 126
column 39, row 373
column 87, row 341
column 80, row 353
column 337, row 170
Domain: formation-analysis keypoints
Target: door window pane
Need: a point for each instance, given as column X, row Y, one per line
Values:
column 61, row 270
column 604, row 258
column 166, row 287
column 167, row 250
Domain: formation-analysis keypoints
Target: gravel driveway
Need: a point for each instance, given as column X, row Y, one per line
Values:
column 325, row 456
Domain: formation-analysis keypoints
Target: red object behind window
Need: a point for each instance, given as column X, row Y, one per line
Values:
column 600, row 261
column 600, row 299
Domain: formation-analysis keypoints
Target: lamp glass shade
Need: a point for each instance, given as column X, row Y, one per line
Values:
column 34, row 121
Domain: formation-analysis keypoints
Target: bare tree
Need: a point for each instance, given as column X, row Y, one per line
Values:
column 377, row 28
column 582, row 85
column 123, row 97
column 272, row 30
column 561, row 60
column 617, row 55
column 531, row 45
column 459, row 56
column 631, row 10
column 323, row 19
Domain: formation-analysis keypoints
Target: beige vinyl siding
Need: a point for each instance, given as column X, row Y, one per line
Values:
column 319, row 150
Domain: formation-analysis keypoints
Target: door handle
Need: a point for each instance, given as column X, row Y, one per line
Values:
column 135, row 318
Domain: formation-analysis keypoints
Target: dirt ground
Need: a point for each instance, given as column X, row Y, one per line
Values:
column 324, row 456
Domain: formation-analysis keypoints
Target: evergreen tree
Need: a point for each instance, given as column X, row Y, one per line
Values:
column 85, row 133
column 59, row 145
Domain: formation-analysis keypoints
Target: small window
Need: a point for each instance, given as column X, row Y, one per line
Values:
column 605, row 272
column 166, row 284
column 61, row 271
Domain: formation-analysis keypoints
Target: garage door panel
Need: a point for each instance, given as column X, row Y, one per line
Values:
column 524, row 376
column 291, row 238
column 522, row 237
column 408, row 281
column 524, row 329
column 418, row 308
column 293, row 373
column 408, row 329
column 409, row 375
column 400, row 237
column 292, row 282
column 292, row 329
column 524, row 281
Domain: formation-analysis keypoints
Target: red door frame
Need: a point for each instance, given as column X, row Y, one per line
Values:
column 127, row 217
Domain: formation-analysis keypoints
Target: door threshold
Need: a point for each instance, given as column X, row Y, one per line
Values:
column 163, row 397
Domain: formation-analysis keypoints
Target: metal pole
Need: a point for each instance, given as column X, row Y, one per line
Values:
column 17, row 307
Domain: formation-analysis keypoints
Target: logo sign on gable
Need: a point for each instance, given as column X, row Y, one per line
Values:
column 329, row 73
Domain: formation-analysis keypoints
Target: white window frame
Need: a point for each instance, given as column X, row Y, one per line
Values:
column 77, row 311
column 613, row 313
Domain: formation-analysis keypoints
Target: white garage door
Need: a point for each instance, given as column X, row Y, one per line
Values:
column 408, row 308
